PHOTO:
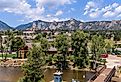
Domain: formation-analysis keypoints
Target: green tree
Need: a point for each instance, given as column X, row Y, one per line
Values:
column 33, row 68
column 62, row 45
column 38, row 38
column 2, row 50
column 10, row 38
column 6, row 51
column 109, row 45
column 79, row 47
column 97, row 48
column 117, row 35
column 17, row 43
column 19, row 32
column 1, row 46
column 44, row 34
column 44, row 44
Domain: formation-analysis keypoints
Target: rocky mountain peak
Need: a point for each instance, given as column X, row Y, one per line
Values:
column 71, row 24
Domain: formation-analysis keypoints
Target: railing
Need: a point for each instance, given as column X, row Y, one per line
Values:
column 97, row 74
column 106, row 75
column 92, row 78
column 110, row 75
column 101, row 70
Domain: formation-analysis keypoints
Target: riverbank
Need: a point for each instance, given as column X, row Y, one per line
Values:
column 20, row 62
column 77, row 69
column 68, row 75
column 12, row 62
column 13, row 74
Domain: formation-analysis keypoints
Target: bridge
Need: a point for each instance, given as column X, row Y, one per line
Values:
column 105, row 75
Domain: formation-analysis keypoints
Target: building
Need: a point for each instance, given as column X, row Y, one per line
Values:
column 30, row 33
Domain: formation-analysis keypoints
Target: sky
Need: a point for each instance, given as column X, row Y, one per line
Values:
column 16, row 12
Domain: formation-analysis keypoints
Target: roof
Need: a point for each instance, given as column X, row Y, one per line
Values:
column 58, row 73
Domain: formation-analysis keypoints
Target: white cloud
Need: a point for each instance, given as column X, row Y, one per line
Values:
column 22, row 7
column 91, row 9
column 112, row 10
column 49, row 15
column 94, row 14
column 118, row 9
column 60, row 12
column 8, row 4
column 53, row 3
column 119, row 15
column 109, row 14
column 115, row 5
column 90, row 5
column 107, row 8
column 52, row 18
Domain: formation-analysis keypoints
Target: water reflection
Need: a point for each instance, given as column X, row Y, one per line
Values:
column 68, row 75
column 12, row 74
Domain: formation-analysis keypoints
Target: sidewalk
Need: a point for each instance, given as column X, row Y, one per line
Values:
column 4, row 58
column 112, row 61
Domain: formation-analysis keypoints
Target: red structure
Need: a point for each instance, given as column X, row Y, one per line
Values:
column 104, row 55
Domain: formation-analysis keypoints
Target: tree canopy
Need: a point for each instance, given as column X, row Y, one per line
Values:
column 79, row 47
column 17, row 43
column 33, row 68
column 97, row 45
column 62, row 45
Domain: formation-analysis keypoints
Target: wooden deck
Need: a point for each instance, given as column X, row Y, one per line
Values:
column 106, row 75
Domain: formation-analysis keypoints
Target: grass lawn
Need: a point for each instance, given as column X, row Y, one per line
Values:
column 9, row 55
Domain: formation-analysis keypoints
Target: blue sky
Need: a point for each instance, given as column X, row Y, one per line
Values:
column 16, row 12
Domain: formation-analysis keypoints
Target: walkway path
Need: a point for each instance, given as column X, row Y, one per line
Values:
column 106, row 75
column 112, row 61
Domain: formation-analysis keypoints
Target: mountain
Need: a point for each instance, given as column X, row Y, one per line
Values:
column 73, row 24
column 40, row 24
column 43, row 25
column 4, row 26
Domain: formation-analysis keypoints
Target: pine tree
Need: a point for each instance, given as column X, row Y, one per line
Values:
column 33, row 68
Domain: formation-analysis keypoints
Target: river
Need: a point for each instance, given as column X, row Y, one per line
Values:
column 11, row 74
